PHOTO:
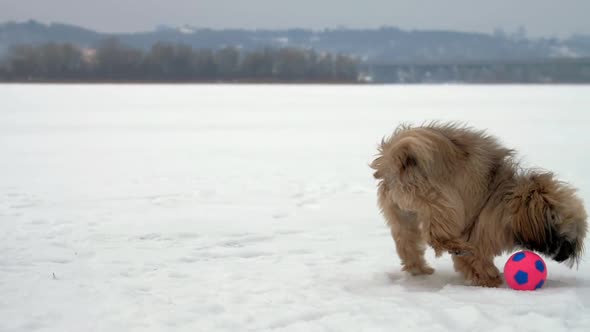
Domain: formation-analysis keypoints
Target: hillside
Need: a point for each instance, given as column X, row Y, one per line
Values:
column 383, row 45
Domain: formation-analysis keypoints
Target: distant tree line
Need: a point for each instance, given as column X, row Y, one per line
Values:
column 574, row 71
column 166, row 62
column 113, row 61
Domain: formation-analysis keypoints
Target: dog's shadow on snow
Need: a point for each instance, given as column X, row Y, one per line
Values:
column 444, row 279
column 567, row 282
column 433, row 282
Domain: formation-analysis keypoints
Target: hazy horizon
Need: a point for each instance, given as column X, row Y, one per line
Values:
column 540, row 18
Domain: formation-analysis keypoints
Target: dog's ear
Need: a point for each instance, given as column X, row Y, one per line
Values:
column 530, row 211
column 536, row 220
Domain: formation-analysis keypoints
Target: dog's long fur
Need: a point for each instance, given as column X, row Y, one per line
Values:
column 460, row 191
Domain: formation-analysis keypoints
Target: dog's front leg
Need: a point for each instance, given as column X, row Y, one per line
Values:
column 480, row 271
column 444, row 228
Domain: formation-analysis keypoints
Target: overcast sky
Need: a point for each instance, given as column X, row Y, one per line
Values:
column 540, row 17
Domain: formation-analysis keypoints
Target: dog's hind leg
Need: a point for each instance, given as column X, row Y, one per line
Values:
column 408, row 239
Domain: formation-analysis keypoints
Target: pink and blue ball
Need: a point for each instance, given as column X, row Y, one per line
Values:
column 525, row 270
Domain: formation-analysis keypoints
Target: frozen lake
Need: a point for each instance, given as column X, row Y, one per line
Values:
column 252, row 208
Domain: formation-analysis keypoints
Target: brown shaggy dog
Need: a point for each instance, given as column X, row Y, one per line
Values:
column 460, row 191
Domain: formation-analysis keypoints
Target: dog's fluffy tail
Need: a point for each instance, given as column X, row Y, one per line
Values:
column 403, row 154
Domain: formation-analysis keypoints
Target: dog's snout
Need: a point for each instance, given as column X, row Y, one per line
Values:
column 566, row 251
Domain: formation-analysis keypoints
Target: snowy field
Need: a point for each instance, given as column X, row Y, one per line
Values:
column 252, row 208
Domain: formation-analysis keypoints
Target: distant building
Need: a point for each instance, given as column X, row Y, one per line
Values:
column 88, row 55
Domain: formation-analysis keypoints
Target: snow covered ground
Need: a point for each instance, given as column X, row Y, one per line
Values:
column 251, row 208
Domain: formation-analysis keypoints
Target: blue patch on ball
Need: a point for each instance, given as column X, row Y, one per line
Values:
column 518, row 257
column 521, row 277
column 540, row 284
column 540, row 266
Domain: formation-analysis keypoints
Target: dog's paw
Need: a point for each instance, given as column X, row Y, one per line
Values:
column 487, row 281
column 418, row 270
